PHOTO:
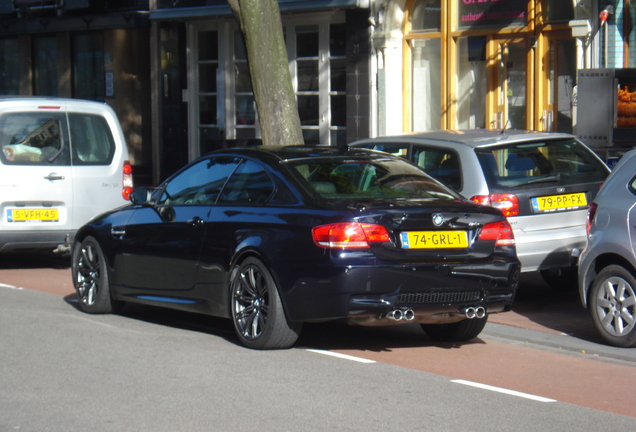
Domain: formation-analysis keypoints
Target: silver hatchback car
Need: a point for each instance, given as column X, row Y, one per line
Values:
column 607, row 269
column 543, row 182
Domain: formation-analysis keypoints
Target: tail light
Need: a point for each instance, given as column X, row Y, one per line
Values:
column 499, row 232
column 127, row 181
column 348, row 235
column 591, row 212
column 507, row 203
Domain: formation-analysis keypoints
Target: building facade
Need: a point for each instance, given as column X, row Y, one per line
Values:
column 175, row 70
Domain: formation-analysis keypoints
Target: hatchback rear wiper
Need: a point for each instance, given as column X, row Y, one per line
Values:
column 552, row 178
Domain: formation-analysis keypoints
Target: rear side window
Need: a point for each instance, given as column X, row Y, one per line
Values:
column 557, row 162
column 440, row 163
column 249, row 184
column 91, row 139
column 33, row 138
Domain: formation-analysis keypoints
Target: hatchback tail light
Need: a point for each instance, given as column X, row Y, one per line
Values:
column 127, row 180
column 591, row 212
column 348, row 235
column 500, row 232
column 507, row 203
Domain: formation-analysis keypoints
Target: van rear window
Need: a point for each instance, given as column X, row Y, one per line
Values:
column 91, row 140
column 33, row 138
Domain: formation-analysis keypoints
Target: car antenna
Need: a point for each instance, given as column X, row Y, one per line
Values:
column 503, row 131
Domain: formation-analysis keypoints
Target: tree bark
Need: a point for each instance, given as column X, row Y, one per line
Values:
column 262, row 31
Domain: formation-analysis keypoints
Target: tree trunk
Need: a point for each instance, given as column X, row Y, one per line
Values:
column 262, row 30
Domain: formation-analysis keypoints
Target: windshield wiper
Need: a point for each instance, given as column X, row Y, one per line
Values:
column 552, row 178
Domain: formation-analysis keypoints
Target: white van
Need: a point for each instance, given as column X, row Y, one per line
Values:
column 62, row 162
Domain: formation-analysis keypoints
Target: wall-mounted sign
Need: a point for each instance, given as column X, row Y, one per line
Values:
column 492, row 13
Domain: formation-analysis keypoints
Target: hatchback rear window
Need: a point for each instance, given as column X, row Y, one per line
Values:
column 338, row 179
column 526, row 165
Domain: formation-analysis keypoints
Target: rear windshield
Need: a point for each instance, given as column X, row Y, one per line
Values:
column 343, row 178
column 528, row 165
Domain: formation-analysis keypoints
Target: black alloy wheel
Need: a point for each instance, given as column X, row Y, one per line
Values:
column 90, row 277
column 613, row 306
column 257, row 312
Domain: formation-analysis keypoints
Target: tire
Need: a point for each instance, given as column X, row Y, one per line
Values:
column 257, row 311
column 90, row 278
column 613, row 306
column 460, row 331
column 562, row 279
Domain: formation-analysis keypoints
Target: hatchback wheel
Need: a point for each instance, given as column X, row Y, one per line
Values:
column 90, row 277
column 257, row 312
column 460, row 331
column 563, row 279
column 613, row 306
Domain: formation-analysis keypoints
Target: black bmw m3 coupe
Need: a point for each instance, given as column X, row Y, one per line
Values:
column 273, row 237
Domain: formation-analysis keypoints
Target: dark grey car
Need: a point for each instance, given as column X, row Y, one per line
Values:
column 543, row 182
column 607, row 269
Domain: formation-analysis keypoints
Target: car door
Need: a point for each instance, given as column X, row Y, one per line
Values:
column 36, row 182
column 162, row 243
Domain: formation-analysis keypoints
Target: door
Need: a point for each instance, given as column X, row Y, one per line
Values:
column 508, row 100
column 36, row 181
column 557, row 104
column 162, row 243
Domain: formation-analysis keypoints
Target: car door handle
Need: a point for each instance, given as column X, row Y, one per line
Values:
column 54, row 176
column 195, row 221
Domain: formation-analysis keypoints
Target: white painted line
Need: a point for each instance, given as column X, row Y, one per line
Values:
column 342, row 356
column 9, row 286
column 502, row 390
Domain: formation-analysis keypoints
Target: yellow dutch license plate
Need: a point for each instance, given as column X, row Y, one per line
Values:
column 559, row 202
column 434, row 239
column 33, row 215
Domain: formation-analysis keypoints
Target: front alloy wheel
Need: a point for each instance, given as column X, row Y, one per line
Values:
column 90, row 277
column 613, row 306
column 257, row 312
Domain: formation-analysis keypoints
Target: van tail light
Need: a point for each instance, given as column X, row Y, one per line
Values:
column 499, row 232
column 349, row 235
column 127, row 181
column 507, row 203
column 591, row 212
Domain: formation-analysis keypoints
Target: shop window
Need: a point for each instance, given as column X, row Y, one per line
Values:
column 45, row 66
column 558, row 10
column 207, row 67
column 471, row 82
column 426, row 84
column 88, row 67
column 9, row 67
column 495, row 14
column 426, row 15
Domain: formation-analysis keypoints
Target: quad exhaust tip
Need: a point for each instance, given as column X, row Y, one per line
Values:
column 401, row 314
column 475, row 312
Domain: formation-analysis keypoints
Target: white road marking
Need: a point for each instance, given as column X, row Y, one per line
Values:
column 502, row 390
column 9, row 286
column 342, row 356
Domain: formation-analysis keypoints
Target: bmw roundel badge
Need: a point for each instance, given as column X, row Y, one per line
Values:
column 438, row 219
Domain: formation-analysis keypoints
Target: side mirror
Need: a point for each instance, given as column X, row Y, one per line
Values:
column 141, row 196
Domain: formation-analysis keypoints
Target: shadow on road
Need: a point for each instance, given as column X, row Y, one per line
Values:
column 40, row 260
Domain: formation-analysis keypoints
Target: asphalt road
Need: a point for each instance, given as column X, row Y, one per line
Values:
column 538, row 368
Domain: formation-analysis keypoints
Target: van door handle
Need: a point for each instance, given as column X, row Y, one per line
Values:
column 54, row 176
column 195, row 221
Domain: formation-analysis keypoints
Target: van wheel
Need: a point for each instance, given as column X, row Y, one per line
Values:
column 613, row 306
column 257, row 311
column 90, row 277
column 460, row 331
